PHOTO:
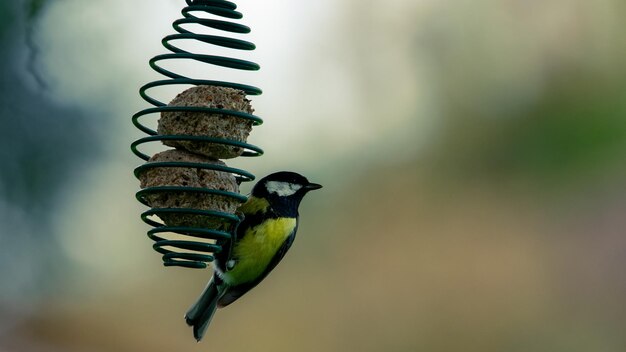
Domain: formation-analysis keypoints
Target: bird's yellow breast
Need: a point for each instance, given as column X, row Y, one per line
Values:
column 257, row 248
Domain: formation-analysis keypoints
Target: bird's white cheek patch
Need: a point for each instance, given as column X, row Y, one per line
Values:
column 282, row 189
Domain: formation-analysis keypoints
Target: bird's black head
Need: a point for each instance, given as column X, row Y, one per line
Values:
column 284, row 190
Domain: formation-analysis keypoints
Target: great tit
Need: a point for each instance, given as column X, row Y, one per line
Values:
column 268, row 228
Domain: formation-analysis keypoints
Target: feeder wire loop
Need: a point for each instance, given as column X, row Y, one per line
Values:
column 189, row 246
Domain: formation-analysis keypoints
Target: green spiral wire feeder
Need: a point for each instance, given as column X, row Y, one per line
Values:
column 189, row 251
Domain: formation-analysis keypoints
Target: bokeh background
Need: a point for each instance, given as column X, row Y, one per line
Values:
column 473, row 155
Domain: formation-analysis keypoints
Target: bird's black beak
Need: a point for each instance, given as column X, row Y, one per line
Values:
column 312, row 186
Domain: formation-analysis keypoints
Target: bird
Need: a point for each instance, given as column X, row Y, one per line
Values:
column 261, row 240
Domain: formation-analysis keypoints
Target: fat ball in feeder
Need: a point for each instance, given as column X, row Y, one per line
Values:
column 212, row 125
column 189, row 177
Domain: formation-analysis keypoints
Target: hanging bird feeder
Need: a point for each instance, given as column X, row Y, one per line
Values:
column 191, row 191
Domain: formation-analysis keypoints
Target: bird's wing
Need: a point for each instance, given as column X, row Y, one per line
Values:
column 234, row 292
column 225, row 254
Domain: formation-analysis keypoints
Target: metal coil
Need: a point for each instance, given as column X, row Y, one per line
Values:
column 189, row 252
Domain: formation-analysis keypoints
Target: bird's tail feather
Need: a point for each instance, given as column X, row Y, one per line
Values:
column 200, row 314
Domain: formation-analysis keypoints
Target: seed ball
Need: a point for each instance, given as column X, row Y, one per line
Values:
column 189, row 177
column 207, row 124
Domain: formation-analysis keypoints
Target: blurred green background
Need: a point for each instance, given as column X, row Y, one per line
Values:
column 473, row 157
